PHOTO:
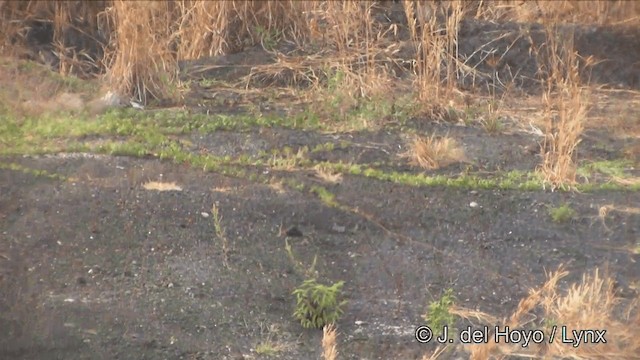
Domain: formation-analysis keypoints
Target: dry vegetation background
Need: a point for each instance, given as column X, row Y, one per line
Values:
column 136, row 48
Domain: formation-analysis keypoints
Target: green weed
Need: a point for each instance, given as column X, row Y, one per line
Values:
column 562, row 213
column 611, row 168
column 317, row 304
column 325, row 195
column 34, row 172
column 220, row 234
column 438, row 315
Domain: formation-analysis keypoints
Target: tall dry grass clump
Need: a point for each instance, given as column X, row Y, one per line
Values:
column 141, row 58
column 10, row 28
column 69, row 28
column 434, row 152
column 590, row 304
column 354, row 40
column 598, row 12
column 433, row 30
column 565, row 108
column 347, row 68
column 211, row 28
column 329, row 343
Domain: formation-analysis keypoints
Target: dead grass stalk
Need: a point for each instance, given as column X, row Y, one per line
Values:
column 586, row 305
column 329, row 346
column 433, row 152
column 565, row 108
column 141, row 58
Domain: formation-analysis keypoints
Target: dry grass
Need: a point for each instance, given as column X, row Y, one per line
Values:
column 434, row 152
column 70, row 21
column 325, row 174
column 434, row 52
column 565, row 109
column 616, row 12
column 140, row 58
column 329, row 346
column 272, row 345
column 436, row 353
column 161, row 186
column 590, row 304
column 210, row 28
column 606, row 210
column 30, row 89
column 146, row 39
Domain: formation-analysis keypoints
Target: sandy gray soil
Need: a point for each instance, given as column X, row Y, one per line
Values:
column 99, row 266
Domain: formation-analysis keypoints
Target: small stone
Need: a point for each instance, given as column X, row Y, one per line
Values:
column 204, row 214
column 294, row 232
column 473, row 204
column 338, row 229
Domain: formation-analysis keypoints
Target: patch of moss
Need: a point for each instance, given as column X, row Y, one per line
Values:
column 562, row 213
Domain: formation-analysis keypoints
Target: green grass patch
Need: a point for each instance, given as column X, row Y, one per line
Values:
column 438, row 315
column 130, row 132
column 562, row 213
column 325, row 195
column 31, row 171
column 612, row 168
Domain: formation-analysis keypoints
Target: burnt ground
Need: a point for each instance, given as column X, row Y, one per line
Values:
column 98, row 267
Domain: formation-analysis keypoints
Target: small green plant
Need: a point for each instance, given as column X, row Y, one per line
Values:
column 438, row 315
column 562, row 213
column 269, row 38
column 471, row 113
column 267, row 348
column 317, row 304
column 325, row 195
column 549, row 322
column 298, row 265
column 273, row 342
column 492, row 124
column 220, row 234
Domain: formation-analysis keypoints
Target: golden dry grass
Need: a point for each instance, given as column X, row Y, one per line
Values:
column 591, row 303
column 434, row 152
column 161, row 186
column 616, row 12
column 606, row 210
column 327, row 175
column 329, row 346
column 148, row 38
column 565, row 104
column 140, row 60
